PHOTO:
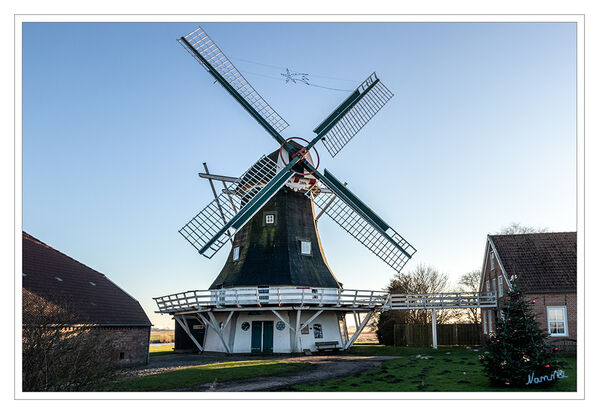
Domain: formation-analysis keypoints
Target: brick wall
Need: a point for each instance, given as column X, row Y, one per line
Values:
column 542, row 300
column 131, row 344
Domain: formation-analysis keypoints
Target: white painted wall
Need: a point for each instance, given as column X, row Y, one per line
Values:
column 281, row 339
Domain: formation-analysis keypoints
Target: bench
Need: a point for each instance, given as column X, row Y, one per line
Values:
column 324, row 345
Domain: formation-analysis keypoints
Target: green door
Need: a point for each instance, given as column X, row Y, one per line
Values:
column 267, row 337
column 256, row 336
column 262, row 337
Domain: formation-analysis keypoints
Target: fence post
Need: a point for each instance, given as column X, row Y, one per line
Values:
column 434, row 328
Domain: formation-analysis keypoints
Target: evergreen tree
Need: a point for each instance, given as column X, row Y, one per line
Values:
column 518, row 348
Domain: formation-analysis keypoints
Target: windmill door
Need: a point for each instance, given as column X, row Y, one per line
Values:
column 262, row 337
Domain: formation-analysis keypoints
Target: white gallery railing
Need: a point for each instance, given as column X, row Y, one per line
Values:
column 307, row 296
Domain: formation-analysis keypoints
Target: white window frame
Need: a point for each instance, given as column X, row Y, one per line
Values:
column 304, row 243
column 492, row 258
column 565, row 310
column 494, row 285
column 236, row 250
column 500, row 286
column 272, row 216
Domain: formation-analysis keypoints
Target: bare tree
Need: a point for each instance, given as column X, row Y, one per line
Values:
column 59, row 352
column 470, row 282
column 424, row 279
column 517, row 228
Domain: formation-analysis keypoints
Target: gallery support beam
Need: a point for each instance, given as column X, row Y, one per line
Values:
column 183, row 322
column 359, row 330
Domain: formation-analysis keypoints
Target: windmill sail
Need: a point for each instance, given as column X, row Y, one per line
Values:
column 353, row 113
column 361, row 222
column 207, row 231
column 211, row 57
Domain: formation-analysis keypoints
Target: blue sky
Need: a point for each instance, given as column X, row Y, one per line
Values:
column 118, row 118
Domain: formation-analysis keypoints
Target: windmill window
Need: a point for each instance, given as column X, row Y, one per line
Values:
column 57, row 278
column 92, row 283
column 317, row 330
column 306, row 247
column 557, row 322
column 236, row 253
column 269, row 219
column 122, row 355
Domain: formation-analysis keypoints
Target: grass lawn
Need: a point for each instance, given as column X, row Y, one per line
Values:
column 446, row 369
column 161, row 350
column 203, row 374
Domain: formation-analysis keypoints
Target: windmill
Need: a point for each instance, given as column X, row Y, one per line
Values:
column 276, row 274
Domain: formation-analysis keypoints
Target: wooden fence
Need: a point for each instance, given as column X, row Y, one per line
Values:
column 421, row 335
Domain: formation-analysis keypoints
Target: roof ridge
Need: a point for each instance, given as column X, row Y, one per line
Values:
column 533, row 233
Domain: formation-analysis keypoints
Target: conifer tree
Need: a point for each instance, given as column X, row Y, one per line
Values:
column 518, row 348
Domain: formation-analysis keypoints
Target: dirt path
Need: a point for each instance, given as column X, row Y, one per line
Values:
column 322, row 368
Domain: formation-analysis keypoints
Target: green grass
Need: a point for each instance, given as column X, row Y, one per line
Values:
column 203, row 374
column 161, row 350
column 448, row 369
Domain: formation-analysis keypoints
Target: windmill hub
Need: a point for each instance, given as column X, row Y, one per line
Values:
column 290, row 150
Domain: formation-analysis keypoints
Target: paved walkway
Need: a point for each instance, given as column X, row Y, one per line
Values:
column 323, row 367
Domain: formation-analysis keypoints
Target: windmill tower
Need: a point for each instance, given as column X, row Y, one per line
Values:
column 276, row 292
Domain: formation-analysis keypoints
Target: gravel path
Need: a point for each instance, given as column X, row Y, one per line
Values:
column 323, row 367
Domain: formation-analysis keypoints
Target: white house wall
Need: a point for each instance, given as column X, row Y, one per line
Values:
column 282, row 340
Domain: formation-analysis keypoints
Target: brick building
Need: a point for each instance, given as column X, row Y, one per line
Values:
column 94, row 299
column 545, row 269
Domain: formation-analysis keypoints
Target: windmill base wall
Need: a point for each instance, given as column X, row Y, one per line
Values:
column 240, row 341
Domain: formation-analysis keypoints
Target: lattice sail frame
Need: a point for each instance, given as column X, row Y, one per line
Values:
column 216, row 215
column 219, row 62
column 352, row 221
column 376, row 95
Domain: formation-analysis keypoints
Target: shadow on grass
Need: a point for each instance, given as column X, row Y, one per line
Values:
column 447, row 369
column 205, row 374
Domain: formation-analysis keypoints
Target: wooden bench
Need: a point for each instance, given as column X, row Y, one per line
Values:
column 330, row 345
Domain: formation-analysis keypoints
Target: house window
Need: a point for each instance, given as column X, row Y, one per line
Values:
column 236, row 253
column 317, row 330
column 490, row 314
column 494, row 284
column 269, row 219
column 557, row 321
column 492, row 261
column 305, row 330
column 488, row 286
column 500, row 286
column 306, row 248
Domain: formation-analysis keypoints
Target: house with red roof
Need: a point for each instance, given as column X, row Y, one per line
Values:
column 544, row 267
column 93, row 299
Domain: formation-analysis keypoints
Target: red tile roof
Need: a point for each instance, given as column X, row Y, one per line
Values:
column 543, row 262
column 95, row 299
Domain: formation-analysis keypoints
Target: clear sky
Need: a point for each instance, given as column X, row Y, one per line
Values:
column 118, row 118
